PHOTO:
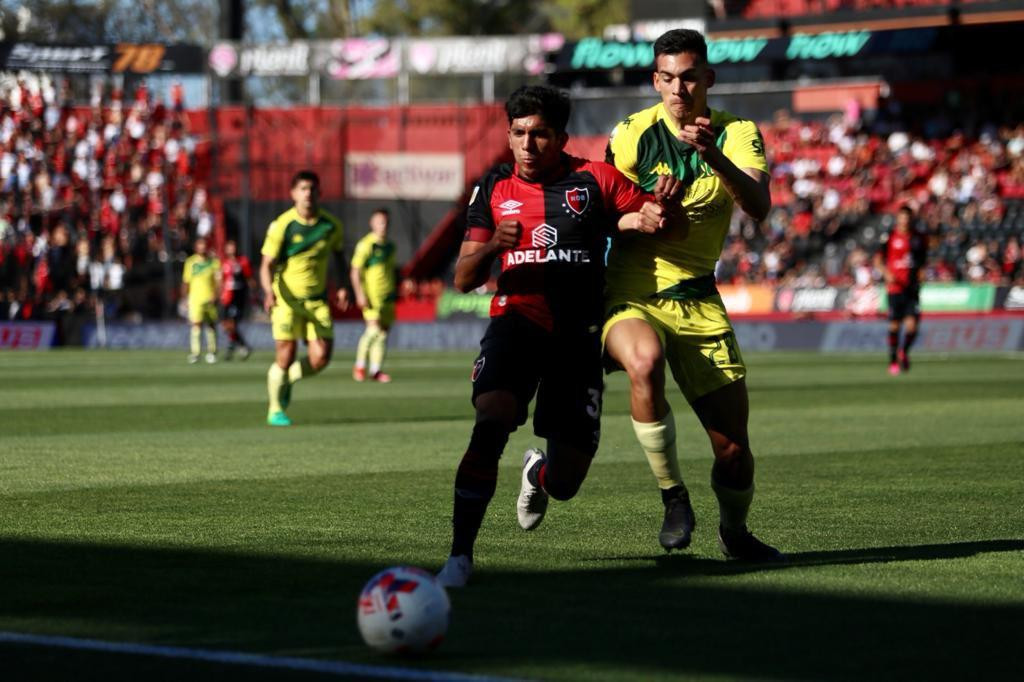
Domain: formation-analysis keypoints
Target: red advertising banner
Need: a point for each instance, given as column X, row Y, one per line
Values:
column 26, row 335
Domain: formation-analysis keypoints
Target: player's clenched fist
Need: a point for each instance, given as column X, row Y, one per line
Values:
column 506, row 235
column 650, row 218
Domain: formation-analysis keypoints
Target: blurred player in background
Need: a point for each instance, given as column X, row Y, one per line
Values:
column 547, row 219
column 293, row 275
column 662, row 302
column 236, row 272
column 200, row 279
column 901, row 257
column 374, row 284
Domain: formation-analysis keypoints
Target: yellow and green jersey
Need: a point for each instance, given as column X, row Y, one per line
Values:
column 644, row 146
column 375, row 261
column 300, row 249
column 200, row 273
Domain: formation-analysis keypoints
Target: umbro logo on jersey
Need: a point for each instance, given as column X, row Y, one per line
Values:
column 544, row 236
column 510, row 207
column 577, row 199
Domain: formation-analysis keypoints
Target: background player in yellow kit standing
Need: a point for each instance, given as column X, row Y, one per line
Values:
column 200, row 279
column 375, row 287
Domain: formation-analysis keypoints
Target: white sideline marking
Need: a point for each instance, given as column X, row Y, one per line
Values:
column 241, row 658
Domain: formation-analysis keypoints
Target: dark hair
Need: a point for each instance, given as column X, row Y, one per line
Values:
column 681, row 40
column 551, row 104
column 383, row 211
column 305, row 175
column 906, row 208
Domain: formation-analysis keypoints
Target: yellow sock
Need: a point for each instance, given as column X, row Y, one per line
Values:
column 658, row 439
column 363, row 348
column 299, row 369
column 733, row 504
column 378, row 347
column 194, row 336
column 276, row 381
column 211, row 339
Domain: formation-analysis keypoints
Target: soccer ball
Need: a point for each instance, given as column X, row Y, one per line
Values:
column 403, row 609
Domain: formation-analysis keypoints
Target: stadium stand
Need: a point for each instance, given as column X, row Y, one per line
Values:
column 85, row 193
column 835, row 189
column 84, row 197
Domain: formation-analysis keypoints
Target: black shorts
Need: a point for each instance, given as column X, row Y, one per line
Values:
column 905, row 303
column 563, row 370
column 232, row 311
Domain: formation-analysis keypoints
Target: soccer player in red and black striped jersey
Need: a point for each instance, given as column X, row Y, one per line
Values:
column 901, row 258
column 236, row 273
column 546, row 219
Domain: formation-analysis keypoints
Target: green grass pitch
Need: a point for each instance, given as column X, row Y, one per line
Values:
column 143, row 500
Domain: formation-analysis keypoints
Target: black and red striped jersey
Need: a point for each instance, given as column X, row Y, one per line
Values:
column 555, row 274
column 905, row 254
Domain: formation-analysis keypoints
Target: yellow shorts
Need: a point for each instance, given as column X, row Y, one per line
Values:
column 202, row 311
column 294, row 320
column 699, row 342
column 382, row 312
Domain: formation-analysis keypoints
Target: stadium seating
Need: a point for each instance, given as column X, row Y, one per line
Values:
column 85, row 193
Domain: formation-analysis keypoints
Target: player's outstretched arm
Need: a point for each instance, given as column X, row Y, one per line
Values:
column 475, row 258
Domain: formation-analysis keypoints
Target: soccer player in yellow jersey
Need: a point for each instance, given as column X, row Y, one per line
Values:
column 375, row 288
column 662, row 305
column 293, row 275
column 200, row 279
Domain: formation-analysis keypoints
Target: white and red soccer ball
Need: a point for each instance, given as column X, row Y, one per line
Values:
column 403, row 610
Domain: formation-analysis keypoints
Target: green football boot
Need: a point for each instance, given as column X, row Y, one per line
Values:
column 278, row 419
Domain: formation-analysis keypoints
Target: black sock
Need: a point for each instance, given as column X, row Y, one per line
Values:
column 475, row 482
column 908, row 340
column 894, row 339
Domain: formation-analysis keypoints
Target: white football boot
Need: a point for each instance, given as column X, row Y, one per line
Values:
column 533, row 501
column 456, row 571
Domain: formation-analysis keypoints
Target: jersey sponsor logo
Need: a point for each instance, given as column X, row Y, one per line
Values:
column 577, row 199
column 544, row 235
column 546, row 256
column 510, row 207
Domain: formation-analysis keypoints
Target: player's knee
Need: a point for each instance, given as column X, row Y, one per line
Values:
column 644, row 363
column 731, row 451
column 488, row 439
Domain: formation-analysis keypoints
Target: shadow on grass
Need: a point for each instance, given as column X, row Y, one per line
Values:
column 587, row 623
column 686, row 564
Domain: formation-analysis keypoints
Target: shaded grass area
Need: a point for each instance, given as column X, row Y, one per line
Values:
column 171, row 516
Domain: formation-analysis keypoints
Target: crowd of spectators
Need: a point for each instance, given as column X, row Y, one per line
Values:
column 85, row 196
column 96, row 201
column 836, row 186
